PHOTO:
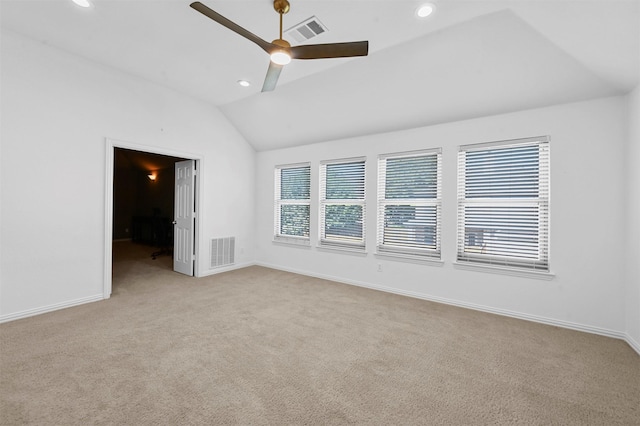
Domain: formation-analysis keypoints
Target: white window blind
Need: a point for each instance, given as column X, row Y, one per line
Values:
column 503, row 204
column 409, row 204
column 342, row 204
column 292, row 203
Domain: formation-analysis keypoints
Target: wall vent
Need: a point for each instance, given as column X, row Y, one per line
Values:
column 306, row 30
column 223, row 251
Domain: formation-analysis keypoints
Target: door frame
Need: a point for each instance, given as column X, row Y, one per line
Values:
column 110, row 146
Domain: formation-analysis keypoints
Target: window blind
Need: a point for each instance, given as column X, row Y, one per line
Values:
column 503, row 204
column 342, row 203
column 292, row 203
column 409, row 204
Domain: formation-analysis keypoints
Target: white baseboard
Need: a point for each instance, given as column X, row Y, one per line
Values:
column 50, row 308
column 543, row 320
column 452, row 302
column 221, row 269
column 57, row 306
column 634, row 344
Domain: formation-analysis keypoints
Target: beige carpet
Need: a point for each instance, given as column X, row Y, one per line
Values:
column 263, row 347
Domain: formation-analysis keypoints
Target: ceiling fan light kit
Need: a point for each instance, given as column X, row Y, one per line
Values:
column 279, row 50
column 281, row 56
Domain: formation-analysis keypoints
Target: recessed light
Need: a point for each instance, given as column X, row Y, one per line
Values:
column 82, row 3
column 244, row 83
column 425, row 10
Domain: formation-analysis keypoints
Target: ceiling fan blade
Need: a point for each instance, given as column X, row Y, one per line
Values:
column 265, row 45
column 330, row 50
column 273, row 73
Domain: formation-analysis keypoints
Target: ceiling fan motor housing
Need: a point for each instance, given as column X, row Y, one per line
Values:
column 281, row 42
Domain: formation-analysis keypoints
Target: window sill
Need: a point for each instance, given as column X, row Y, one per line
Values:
column 346, row 250
column 421, row 260
column 292, row 242
column 540, row 275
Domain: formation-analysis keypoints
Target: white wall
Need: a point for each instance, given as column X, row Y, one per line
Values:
column 633, row 219
column 587, row 210
column 57, row 110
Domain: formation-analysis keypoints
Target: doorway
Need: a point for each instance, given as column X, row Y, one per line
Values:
column 140, row 197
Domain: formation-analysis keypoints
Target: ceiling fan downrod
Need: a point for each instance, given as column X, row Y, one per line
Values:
column 282, row 7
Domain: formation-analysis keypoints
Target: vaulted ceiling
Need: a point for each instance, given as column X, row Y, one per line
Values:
column 470, row 58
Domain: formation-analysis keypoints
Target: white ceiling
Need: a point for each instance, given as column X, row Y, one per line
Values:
column 471, row 58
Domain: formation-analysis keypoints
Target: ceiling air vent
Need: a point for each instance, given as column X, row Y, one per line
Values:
column 306, row 30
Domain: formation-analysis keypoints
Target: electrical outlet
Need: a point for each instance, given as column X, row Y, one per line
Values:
column 379, row 267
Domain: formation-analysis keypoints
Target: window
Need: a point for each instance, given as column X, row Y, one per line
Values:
column 409, row 204
column 342, row 204
column 292, row 205
column 503, row 204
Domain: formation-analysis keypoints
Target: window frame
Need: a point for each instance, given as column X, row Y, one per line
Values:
column 495, row 207
column 358, row 245
column 279, row 202
column 404, row 249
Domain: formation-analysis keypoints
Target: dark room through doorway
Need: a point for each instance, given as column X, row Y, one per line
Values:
column 143, row 208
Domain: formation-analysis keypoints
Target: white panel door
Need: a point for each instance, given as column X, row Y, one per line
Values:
column 184, row 218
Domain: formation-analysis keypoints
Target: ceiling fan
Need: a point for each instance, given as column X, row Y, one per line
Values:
column 280, row 50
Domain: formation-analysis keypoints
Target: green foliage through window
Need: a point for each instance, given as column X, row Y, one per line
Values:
column 292, row 202
column 409, row 204
column 343, row 203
